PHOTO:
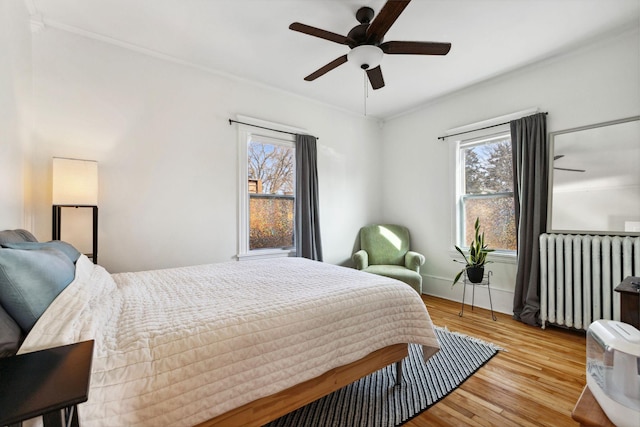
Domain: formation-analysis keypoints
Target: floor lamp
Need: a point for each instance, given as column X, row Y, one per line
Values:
column 75, row 185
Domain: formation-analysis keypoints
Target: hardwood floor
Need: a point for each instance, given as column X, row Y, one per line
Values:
column 536, row 382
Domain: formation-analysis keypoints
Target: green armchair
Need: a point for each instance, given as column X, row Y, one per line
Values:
column 385, row 251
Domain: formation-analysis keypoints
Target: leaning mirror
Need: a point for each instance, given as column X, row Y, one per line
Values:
column 595, row 179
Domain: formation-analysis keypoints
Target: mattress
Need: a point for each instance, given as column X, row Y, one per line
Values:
column 180, row 346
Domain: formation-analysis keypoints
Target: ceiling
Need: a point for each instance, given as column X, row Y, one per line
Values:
column 250, row 39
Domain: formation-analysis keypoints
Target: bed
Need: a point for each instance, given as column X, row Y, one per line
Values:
column 233, row 343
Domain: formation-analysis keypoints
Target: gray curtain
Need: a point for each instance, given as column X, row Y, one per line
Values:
column 530, row 175
column 308, row 243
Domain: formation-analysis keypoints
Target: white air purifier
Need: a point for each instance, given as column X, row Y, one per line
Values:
column 613, row 370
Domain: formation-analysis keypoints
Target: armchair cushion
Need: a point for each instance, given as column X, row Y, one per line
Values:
column 385, row 244
column 398, row 272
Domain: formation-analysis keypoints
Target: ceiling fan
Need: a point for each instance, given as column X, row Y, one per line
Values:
column 366, row 42
column 559, row 156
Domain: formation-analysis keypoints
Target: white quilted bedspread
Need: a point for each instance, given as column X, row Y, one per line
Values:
column 180, row 346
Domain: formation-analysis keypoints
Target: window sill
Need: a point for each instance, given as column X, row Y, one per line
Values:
column 502, row 257
column 266, row 254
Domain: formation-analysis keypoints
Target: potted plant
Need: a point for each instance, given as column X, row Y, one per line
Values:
column 475, row 262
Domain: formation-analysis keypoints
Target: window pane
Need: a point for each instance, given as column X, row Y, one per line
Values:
column 271, row 166
column 270, row 221
column 488, row 167
column 497, row 221
column 271, row 195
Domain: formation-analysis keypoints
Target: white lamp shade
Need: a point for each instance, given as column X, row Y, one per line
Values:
column 75, row 182
column 365, row 56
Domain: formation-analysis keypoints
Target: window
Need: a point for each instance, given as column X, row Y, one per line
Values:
column 270, row 174
column 267, row 194
column 485, row 190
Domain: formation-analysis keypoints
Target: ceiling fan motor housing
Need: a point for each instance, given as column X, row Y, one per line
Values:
column 364, row 15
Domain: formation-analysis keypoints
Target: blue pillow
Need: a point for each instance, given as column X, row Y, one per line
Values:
column 30, row 280
column 65, row 247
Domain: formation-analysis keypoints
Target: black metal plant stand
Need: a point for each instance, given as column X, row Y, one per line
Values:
column 57, row 221
column 486, row 281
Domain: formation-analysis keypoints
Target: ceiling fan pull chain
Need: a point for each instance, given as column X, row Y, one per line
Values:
column 364, row 93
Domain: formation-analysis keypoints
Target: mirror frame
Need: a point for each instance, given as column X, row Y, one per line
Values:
column 551, row 142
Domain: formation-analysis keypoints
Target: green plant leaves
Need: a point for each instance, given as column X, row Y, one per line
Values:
column 478, row 252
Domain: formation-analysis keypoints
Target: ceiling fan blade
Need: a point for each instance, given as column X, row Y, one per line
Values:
column 317, row 32
column 385, row 19
column 558, row 156
column 415, row 48
column 570, row 170
column 323, row 70
column 375, row 77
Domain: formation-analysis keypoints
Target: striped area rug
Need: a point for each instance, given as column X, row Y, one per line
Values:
column 374, row 401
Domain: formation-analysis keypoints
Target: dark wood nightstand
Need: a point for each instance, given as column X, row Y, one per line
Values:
column 48, row 383
column 630, row 301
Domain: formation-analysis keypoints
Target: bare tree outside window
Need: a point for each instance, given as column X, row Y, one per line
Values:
column 271, row 174
column 273, row 166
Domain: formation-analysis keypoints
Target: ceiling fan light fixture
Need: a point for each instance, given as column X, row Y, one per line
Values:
column 365, row 56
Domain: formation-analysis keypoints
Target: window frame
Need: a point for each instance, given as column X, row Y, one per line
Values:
column 458, row 223
column 245, row 135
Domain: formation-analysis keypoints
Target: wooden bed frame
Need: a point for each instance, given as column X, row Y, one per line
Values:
column 266, row 409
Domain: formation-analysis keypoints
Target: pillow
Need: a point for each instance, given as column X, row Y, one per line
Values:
column 30, row 280
column 65, row 247
column 10, row 335
column 13, row 236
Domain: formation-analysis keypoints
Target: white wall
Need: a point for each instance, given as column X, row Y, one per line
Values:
column 168, row 156
column 15, row 90
column 590, row 85
column 168, row 162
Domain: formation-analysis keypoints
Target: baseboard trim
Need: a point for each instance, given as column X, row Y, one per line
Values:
column 441, row 287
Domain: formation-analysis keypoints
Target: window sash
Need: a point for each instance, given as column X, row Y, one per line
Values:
column 462, row 197
column 503, row 242
column 487, row 195
column 274, row 197
column 246, row 135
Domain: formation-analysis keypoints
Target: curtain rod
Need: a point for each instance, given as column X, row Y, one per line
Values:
column 231, row 121
column 474, row 130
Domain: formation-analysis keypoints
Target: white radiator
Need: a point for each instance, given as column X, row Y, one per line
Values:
column 578, row 275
